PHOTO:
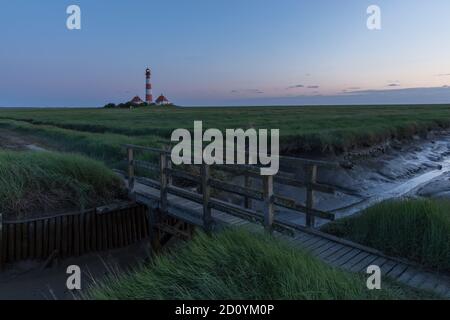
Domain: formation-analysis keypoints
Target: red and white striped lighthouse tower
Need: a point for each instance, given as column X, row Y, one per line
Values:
column 148, row 87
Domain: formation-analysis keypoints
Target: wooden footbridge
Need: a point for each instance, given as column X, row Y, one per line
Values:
column 194, row 196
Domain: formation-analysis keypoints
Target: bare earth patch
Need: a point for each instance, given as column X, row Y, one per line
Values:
column 10, row 140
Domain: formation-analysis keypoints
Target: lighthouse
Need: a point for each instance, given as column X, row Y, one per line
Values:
column 148, row 87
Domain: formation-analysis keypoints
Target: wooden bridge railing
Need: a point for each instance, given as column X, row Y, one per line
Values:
column 206, row 181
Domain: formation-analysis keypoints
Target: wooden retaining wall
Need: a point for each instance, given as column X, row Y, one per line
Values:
column 72, row 234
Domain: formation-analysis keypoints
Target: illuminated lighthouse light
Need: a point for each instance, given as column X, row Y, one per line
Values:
column 148, row 87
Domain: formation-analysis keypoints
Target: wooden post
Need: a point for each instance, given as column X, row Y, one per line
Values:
column 311, row 177
column 131, row 177
column 163, row 177
column 206, row 189
column 169, row 166
column 1, row 241
column 247, row 200
column 268, row 203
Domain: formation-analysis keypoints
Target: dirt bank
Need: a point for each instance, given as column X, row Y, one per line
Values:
column 10, row 140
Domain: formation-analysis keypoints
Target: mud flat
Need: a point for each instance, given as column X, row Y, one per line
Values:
column 397, row 169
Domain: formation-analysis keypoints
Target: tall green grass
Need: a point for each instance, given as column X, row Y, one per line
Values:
column 240, row 265
column 106, row 147
column 418, row 230
column 34, row 183
column 302, row 129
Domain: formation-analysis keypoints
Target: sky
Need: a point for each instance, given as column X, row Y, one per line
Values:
column 224, row 52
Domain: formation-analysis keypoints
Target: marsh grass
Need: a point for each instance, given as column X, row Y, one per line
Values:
column 236, row 264
column 34, row 183
column 418, row 230
column 321, row 129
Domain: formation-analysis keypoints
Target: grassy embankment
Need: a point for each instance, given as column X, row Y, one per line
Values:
column 39, row 183
column 418, row 230
column 303, row 129
column 239, row 265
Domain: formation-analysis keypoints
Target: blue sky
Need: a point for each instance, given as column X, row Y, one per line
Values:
column 225, row 52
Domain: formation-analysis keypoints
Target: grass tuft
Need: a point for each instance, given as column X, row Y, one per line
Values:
column 38, row 183
column 236, row 264
column 418, row 230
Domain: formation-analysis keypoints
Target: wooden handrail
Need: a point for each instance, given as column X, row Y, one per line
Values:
column 206, row 182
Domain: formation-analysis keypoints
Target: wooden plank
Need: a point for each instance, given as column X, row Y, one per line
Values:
column 25, row 241
column 32, row 240
column 11, row 242
column 18, row 239
column 146, row 165
column 133, row 227
column 247, row 185
column 379, row 262
column 45, row 251
column 115, row 223
column 333, row 250
column 397, row 270
column 64, row 236
column 82, row 232
column 2, row 242
column 39, row 239
column 58, row 234
column 314, row 240
column 300, row 184
column 51, row 235
column 304, row 237
column 320, row 250
column 110, row 231
column 354, row 260
column 206, row 190
column 363, row 264
column 320, row 244
column 76, row 235
column 407, row 275
column 235, row 189
column 417, row 280
column 431, row 282
column 104, row 231
column 163, row 182
column 131, row 177
column 183, row 175
column 388, row 266
column 345, row 258
column 69, row 230
column 311, row 176
column 268, row 203
column 293, row 205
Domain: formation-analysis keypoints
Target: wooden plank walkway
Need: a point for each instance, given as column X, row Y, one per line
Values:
column 335, row 252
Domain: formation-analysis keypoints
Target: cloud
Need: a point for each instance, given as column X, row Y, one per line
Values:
column 420, row 95
column 251, row 91
column 393, row 85
column 296, row 86
column 313, row 87
column 443, row 75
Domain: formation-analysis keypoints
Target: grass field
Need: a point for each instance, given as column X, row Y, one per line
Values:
column 319, row 129
column 39, row 183
column 238, row 265
column 418, row 230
